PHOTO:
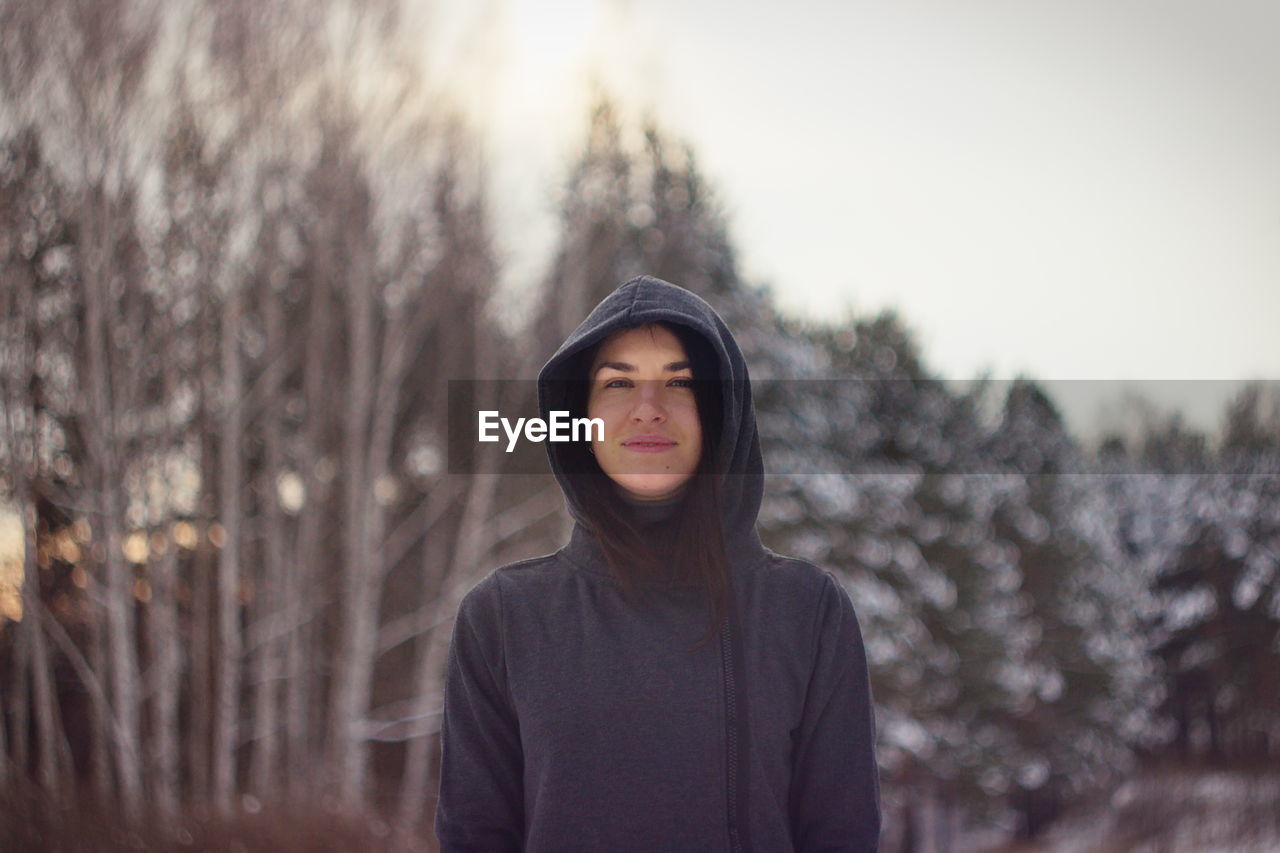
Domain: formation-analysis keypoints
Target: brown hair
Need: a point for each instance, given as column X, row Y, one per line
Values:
column 691, row 546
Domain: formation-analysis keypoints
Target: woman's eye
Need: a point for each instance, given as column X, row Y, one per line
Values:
column 678, row 382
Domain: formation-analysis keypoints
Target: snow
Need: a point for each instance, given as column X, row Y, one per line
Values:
column 1183, row 812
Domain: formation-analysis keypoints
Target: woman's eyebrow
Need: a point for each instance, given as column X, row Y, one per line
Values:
column 623, row 367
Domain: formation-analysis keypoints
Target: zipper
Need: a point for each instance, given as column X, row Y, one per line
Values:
column 731, row 734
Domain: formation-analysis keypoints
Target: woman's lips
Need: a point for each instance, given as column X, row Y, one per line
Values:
column 648, row 443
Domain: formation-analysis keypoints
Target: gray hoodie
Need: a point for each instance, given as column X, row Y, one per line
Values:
column 578, row 719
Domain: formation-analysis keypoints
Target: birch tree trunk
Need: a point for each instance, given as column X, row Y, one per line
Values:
column 199, row 722
column 302, row 589
column 166, row 645
column 100, row 713
column 165, row 641
column 272, row 608
column 48, row 720
column 200, row 238
column 97, row 235
column 359, row 576
column 227, row 691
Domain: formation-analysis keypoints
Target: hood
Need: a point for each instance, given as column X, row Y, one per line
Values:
column 650, row 300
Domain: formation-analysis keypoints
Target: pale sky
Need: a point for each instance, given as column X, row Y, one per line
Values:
column 1066, row 189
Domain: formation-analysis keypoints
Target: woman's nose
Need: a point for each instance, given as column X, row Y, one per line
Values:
column 647, row 413
column 649, row 408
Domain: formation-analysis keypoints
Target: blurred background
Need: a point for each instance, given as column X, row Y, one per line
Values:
column 244, row 246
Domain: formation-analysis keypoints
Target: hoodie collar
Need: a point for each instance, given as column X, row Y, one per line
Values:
column 583, row 550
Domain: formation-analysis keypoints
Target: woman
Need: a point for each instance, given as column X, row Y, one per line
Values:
column 663, row 682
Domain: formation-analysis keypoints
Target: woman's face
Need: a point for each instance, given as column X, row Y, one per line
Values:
column 642, row 388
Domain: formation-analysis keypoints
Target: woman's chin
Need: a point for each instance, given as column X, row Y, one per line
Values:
column 651, row 487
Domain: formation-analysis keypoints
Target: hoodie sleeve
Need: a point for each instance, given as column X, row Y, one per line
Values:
column 835, row 788
column 481, row 804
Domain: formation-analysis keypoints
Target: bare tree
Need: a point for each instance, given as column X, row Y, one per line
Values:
column 269, row 288
column 24, row 199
